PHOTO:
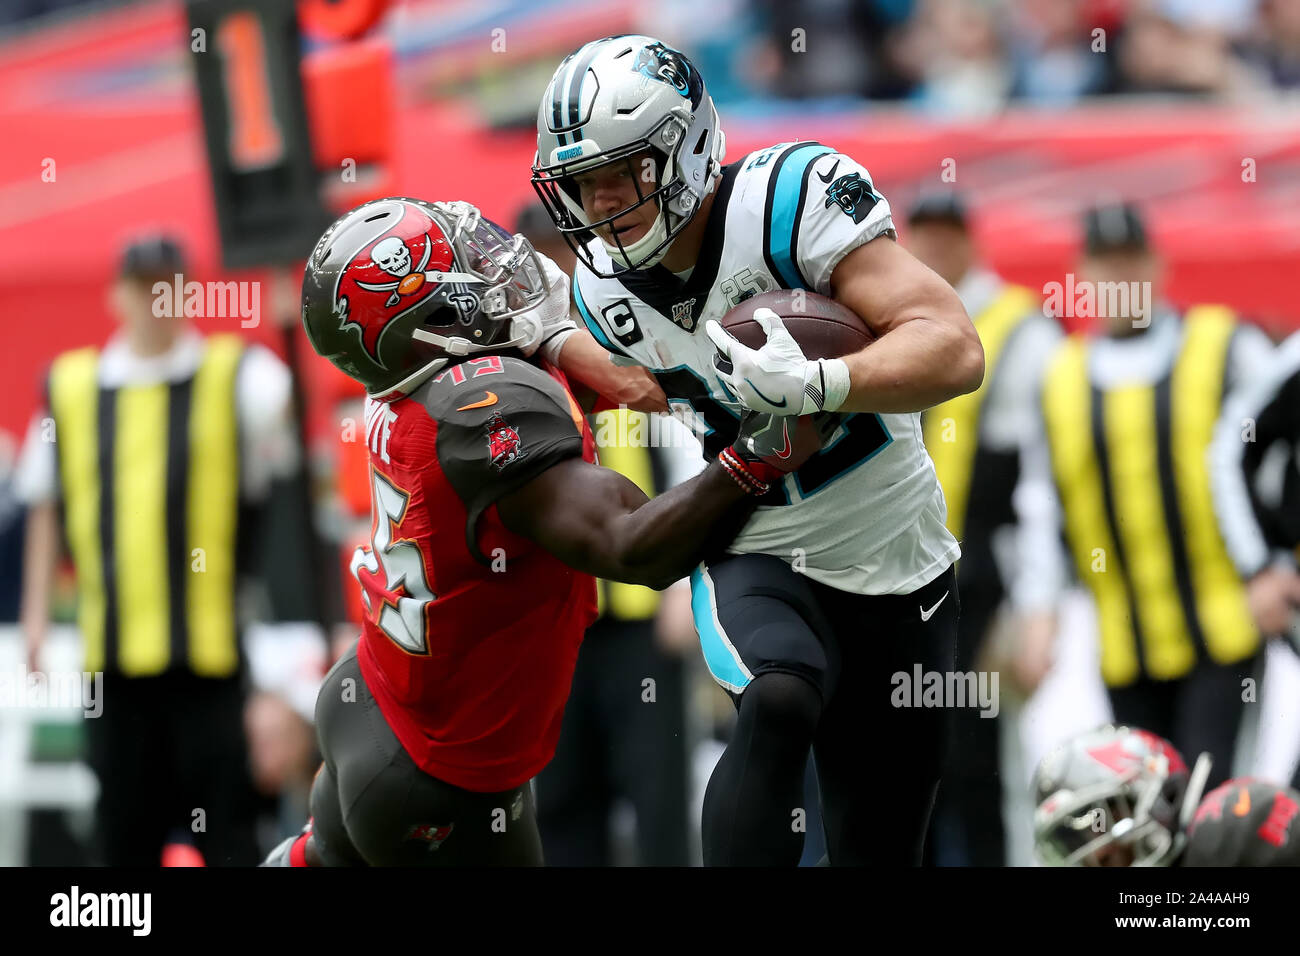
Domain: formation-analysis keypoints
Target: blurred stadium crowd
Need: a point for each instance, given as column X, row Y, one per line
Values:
column 624, row 791
column 962, row 57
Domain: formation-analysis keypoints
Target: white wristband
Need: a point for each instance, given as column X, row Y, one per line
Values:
column 835, row 373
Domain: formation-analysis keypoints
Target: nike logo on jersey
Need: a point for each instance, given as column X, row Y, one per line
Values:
column 774, row 404
column 831, row 175
column 926, row 615
column 490, row 400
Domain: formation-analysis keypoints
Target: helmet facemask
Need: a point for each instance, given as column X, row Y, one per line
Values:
column 653, row 165
column 1137, row 818
column 507, row 283
column 1107, row 827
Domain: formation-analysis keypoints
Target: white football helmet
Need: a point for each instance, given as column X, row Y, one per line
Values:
column 609, row 101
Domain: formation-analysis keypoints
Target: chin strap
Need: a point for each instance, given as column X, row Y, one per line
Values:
column 626, row 255
column 451, row 344
column 525, row 330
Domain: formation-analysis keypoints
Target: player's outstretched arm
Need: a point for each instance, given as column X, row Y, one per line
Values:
column 564, row 343
column 927, row 350
column 584, row 360
column 598, row 521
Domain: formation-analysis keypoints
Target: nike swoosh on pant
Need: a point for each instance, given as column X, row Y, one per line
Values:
column 926, row 615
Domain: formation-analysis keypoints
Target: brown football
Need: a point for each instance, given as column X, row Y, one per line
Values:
column 822, row 327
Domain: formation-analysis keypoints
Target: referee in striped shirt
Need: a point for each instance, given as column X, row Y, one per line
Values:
column 146, row 461
column 1119, row 460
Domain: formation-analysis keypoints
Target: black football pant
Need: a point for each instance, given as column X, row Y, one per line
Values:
column 1200, row 713
column 371, row 805
column 170, row 754
column 967, row 828
column 617, row 743
column 812, row 667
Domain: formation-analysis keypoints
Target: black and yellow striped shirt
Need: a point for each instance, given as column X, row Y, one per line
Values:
column 150, row 489
column 1130, row 463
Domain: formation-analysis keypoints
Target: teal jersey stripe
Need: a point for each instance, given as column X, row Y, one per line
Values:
column 720, row 657
column 784, row 203
column 590, row 321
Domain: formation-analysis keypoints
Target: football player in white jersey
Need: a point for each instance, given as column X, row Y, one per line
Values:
column 843, row 579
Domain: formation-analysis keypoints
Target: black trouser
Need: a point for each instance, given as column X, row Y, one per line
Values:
column 810, row 666
column 967, row 828
column 171, row 754
column 617, row 743
column 1200, row 713
column 371, row 804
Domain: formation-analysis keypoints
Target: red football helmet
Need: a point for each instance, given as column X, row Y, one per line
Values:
column 396, row 287
column 1115, row 796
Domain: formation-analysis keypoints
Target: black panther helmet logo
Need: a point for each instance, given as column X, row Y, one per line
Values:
column 665, row 64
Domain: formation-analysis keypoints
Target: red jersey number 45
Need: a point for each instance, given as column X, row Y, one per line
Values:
column 394, row 586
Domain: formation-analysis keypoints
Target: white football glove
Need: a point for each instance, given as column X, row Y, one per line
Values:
column 552, row 314
column 778, row 378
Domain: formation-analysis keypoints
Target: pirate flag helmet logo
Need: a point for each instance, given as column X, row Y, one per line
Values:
column 401, row 268
column 397, row 287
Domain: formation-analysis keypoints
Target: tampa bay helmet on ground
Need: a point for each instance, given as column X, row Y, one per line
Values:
column 396, row 287
column 1115, row 796
column 608, row 102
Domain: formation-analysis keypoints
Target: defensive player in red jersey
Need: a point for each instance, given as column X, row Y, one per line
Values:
column 489, row 518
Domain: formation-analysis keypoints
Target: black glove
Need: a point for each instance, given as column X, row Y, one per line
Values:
column 775, row 445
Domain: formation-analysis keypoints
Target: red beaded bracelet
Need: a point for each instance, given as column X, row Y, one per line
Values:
column 742, row 472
